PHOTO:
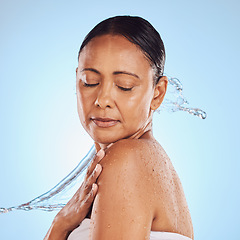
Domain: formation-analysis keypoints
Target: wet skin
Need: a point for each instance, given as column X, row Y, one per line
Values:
column 114, row 89
column 138, row 185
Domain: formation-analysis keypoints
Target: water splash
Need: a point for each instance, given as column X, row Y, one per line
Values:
column 57, row 197
column 175, row 101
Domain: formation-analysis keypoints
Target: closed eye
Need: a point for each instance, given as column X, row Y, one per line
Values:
column 90, row 85
column 125, row 89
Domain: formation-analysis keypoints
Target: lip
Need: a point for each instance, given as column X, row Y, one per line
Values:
column 105, row 122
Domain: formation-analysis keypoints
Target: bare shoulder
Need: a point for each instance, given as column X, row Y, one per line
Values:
column 126, row 159
column 143, row 152
column 123, row 195
column 136, row 165
column 139, row 177
column 143, row 167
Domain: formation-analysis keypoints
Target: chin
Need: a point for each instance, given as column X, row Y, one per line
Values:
column 105, row 138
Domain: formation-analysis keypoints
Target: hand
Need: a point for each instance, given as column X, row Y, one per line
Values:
column 73, row 213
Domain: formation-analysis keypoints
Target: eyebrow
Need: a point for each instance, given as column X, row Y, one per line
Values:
column 114, row 73
column 127, row 73
column 90, row 69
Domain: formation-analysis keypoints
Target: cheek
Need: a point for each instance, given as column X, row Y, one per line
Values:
column 84, row 105
column 80, row 111
column 136, row 109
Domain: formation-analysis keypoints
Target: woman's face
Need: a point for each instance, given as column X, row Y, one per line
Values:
column 114, row 88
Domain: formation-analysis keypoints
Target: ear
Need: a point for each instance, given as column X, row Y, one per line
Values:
column 159, row 93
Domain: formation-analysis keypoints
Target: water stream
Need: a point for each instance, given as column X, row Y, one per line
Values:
column 58, row 196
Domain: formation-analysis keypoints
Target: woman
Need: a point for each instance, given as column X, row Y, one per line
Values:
column 120, row 84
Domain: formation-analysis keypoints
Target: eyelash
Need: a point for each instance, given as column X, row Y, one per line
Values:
column 125, row 89
column 95, row 84
column 90, row 85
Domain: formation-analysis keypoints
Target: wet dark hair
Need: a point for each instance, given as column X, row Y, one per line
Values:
column 138, row 31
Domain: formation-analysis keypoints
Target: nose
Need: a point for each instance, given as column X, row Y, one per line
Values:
column 104, row 98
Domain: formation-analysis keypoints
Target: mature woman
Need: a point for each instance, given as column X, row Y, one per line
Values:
column 138, row 194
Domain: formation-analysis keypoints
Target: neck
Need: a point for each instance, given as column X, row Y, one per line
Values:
column 144, row 132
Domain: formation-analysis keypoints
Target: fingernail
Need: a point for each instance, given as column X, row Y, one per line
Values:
column 101, row 153
column 94, row 186
column 97, row 168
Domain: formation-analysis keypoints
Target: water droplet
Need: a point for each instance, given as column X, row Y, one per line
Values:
column 175, row 101
column 4, row 210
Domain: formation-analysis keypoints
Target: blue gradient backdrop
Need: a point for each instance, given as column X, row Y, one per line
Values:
column 41, row 139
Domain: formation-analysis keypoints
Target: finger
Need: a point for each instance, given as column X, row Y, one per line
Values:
column 94, row 189
column 96, row 172
column 94, row 162
column 90, row 196
column 92, row 178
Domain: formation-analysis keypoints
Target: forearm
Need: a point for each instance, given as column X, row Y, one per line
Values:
column 56, row 232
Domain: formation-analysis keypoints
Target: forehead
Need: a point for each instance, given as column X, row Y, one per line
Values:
column 114, row 52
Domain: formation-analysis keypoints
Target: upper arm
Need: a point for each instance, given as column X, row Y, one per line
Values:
column 122, row 208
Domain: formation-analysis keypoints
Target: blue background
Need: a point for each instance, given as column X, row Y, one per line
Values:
column 41, row 139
